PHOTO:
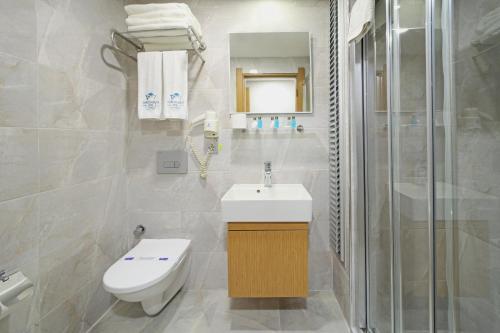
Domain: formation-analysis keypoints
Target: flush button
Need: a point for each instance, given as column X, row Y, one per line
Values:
column 172, row 161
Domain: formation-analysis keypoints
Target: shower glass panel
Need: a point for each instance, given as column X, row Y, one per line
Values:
column 431, row 222
column 467, row 165
column 410, row 182
column 378, row 231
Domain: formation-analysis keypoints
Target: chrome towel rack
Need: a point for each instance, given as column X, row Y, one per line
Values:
column 138, row 39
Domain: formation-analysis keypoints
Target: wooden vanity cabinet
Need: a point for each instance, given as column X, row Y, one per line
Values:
column 267, row 259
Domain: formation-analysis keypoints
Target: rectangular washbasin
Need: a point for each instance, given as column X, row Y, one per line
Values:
column 257, row 203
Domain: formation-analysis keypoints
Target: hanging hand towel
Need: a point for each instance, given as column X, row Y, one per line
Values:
column 149, row 68
column 175, row 84
column 360, row 19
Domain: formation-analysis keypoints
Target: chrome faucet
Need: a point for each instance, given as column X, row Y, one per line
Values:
column 5, row 275
column 268, row 182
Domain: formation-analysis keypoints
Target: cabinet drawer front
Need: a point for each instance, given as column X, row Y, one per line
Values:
column 258, row 226
column 267, row 263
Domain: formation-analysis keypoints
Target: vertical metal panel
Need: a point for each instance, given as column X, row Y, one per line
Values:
column 394, row 287
column 358, row 267
column 335, row 220
column 430, row 103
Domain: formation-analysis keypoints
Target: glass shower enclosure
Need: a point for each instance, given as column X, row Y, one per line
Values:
column 429, row 136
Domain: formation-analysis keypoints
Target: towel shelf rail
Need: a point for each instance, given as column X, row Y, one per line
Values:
column 137, row 40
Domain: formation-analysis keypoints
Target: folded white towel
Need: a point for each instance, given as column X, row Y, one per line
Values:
column 150, row 93
column 166, row 23
column 131, row 22
column 175, row 84
column 156, row 36
column 176, row 13
column 361, row 18
column 153, row 7
column 171, row 25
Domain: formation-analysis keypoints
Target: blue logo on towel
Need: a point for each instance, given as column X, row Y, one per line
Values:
column 175, row 100
column 163, row 258
column 128, row 258
column 150, row 102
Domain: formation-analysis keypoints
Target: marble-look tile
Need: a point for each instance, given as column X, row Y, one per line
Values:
column 320, row 270
column 63, row 43
column 19, row 231
column 186, row 192
column 123, row 317
column 59, row 105
column 198, row 270
column 341, row 286
column 478, row 268
column 143, row 144
column 64, row 272
column 320, row 312
column 17, row 92
column 157, row 224
column 70, row 157
column 205, row 229
column 19, row 162
column 70, row 213
column 18, row 28
column 103, row 108
column 99, row 300
column 216, row 277
column 213, row 311
column 68, row 316
column 112, row 235
column 250, row 150
column 19, row 239
column 185, row 313
column 69, row 100
column 242, row 314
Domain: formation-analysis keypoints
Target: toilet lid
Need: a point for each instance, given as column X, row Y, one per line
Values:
column 147, row 263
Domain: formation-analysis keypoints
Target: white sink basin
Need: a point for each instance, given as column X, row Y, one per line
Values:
column 257, row 203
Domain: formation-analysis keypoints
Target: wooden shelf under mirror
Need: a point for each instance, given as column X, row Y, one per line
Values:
column 243, row 92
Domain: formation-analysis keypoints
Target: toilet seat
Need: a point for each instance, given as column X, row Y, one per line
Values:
column 146, row 264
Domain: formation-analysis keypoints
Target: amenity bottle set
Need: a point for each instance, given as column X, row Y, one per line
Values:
column 275, row 122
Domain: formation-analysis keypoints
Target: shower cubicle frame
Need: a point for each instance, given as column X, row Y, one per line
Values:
column 362, row 74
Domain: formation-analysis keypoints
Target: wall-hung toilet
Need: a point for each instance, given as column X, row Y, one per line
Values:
column 151, row 273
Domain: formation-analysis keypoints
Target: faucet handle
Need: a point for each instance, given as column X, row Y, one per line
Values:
column 5, row 274
column 267, row 165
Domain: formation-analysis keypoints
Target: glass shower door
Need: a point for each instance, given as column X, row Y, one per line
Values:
column 409, row 164
column 432, row 202
column 467, row 165
column 378, row 229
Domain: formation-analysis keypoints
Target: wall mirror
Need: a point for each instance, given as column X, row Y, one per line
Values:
column 271, row 72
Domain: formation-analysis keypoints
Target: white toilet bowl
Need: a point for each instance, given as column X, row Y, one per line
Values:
column 151, row 273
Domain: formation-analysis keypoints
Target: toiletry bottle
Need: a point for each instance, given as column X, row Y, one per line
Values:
column 288, row 122
column 276, row 122
column 293, row 123
column 259, row 123
column 254, row 123
column 272, row 122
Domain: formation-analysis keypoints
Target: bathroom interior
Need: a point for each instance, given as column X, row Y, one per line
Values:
column 249, row 166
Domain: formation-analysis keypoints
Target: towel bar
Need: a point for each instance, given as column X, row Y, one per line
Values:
column 134, row 39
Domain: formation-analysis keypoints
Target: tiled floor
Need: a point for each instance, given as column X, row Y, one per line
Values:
column 211, row 311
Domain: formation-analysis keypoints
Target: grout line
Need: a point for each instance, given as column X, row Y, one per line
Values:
column 102, row 316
